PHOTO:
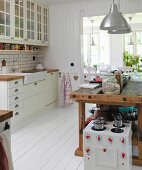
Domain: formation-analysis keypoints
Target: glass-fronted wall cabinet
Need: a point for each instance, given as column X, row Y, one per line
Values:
column 5, row 21
column 19, row 19
column 45, row 25
column 39, row 23
column 30, row 20
column 23, row 22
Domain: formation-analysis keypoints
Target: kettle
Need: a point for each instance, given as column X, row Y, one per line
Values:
column 39, row 67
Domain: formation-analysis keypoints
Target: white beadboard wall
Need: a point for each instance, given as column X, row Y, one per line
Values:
column 65, row 29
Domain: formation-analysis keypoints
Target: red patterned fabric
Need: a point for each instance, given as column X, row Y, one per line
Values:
column 66, row 89
column 3, row 157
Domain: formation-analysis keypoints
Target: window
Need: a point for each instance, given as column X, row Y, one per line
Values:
column 98, row 53
column 95, row 42
column 133, row 43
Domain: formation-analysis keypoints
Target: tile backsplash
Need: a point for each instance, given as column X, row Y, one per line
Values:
column 21, row 60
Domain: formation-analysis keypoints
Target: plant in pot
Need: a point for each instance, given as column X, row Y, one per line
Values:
column 131, row 60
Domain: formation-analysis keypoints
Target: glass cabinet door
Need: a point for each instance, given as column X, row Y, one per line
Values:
column 19, row 19
column 30, row 20
column 39, row 23
column 45, row 24
column 5, row 18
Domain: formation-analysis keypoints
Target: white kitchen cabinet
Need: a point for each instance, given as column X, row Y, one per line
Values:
column 6, row 124
column 30, row 8
column 39, row 22
column 34, row 103
column 34, row 89
column 51, row 87
column 23, row 22
column 12, row 97
column 34, row 96
column 5, row 19
column 19, row 19
column 45, row 25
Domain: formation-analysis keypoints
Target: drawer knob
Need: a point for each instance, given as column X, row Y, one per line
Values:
column 16, row 82
column 7, row 126
column 16, row 98
column 89, row 97
column 16, row 90
column 17, row 105
column 17, row 113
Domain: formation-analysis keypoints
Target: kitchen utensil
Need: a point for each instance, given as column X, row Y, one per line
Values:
column 130, row 112
column 110, row 86
column 98, row 124
column 39, row 67
column 118, row 121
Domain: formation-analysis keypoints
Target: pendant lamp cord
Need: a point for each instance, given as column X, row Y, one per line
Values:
column 92, row 25
column 119, row 5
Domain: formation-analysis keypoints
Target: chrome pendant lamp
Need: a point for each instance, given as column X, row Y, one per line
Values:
column 120, row 31
column 92, row 38
column 115, row 21
column 128, row 30
column 131, row 40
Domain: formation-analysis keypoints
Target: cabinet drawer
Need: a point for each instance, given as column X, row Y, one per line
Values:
column 34, row 89
column 15, row 83
column 16, row 106
column 16, row 90
column 15, row 98
column 18, row 113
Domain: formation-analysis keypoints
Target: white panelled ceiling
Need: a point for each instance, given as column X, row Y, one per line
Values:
column 57, row 1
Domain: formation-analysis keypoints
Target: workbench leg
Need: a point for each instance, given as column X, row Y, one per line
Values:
column 140, row 132
column 79, row 150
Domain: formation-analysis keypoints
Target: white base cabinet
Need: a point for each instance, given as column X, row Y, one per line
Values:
column 34, row 103
column 51, row 87
column 34, row 96
column 11, row 93
column 25, row 99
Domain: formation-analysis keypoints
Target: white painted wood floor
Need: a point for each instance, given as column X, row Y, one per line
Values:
column 48, row 141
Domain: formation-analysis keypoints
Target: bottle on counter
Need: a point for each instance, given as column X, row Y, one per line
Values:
column 3, row 62
column 119, row 79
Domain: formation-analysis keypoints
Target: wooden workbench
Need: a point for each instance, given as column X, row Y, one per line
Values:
column 130, row 96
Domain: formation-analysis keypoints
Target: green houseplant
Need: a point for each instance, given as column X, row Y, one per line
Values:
column 131, row 60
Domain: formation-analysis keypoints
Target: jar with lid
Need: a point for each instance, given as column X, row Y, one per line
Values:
column 110, row 85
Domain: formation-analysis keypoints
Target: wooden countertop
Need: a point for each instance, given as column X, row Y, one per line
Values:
column 10, row 77
column 52, row 70
column 36, row 70
column 4, row 115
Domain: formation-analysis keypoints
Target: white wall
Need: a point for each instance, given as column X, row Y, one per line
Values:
column 116, row 50
column 65, row 26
